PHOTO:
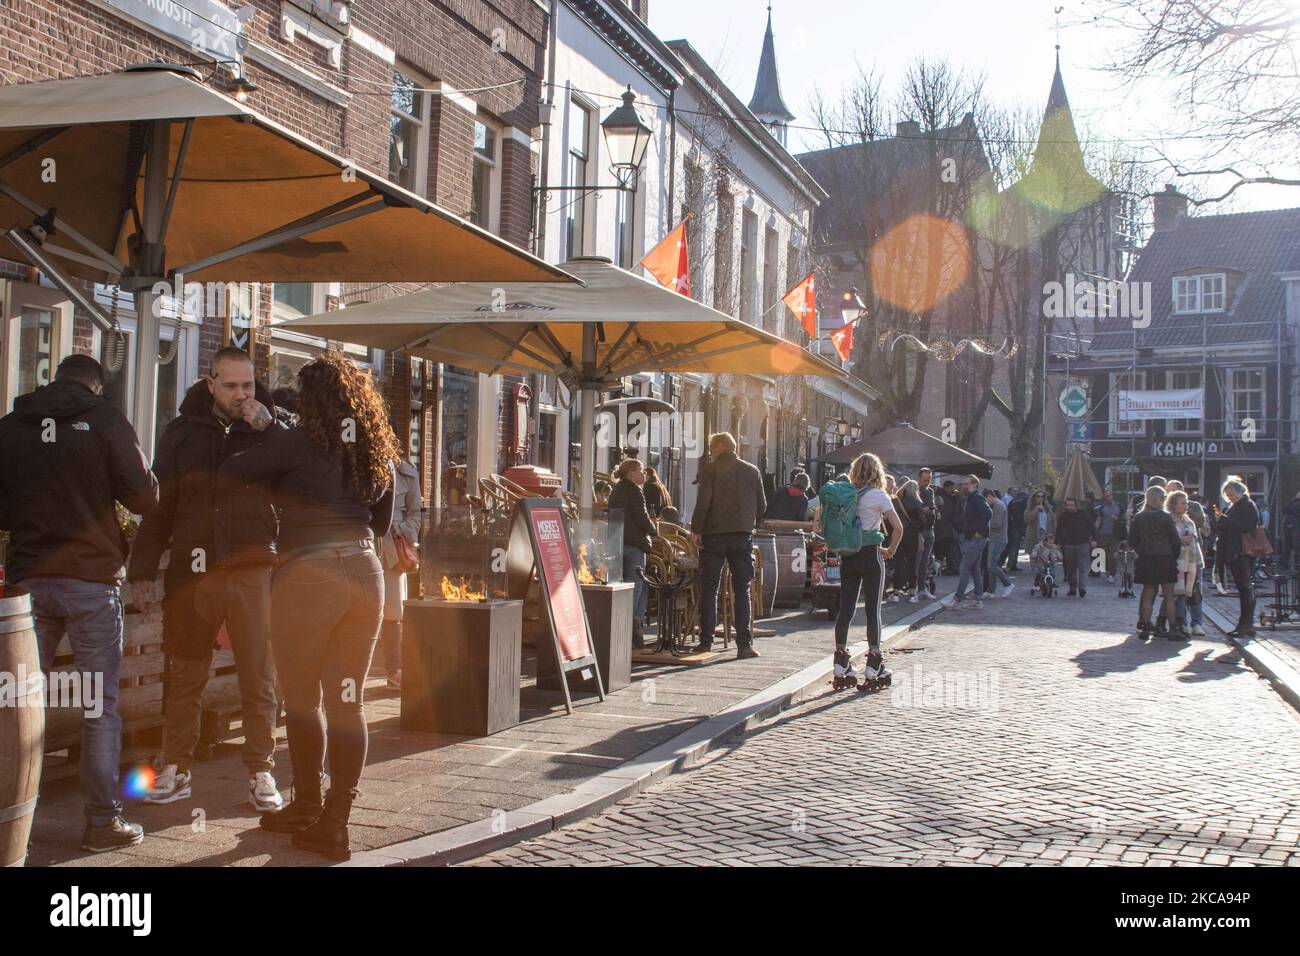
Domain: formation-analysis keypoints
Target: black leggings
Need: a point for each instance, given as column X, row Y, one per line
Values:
column 1241, row 567
column 865, row 568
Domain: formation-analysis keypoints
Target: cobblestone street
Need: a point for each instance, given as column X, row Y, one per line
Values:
column 1033, row 732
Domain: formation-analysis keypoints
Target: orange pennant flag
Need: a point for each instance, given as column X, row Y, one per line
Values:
column 802, row 300
column 667, row 261
column 843, row 340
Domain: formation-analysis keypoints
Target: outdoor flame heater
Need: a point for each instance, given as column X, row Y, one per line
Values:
column 461, row 642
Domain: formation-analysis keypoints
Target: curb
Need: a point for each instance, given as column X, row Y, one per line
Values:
column 503, row 829
column 1284, row 678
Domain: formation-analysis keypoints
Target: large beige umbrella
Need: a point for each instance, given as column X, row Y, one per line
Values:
column 147, row 175
column 614, row 324
column 1079, row 479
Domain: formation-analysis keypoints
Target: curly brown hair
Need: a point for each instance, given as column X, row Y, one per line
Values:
column 333, row 392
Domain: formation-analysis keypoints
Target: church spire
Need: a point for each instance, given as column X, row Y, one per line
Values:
column 1058, row 176
column 766, row 103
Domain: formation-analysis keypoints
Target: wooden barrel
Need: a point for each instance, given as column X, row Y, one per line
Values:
column 22, row 725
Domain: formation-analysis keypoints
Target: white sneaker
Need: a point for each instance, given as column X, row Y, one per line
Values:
column 926, row 595
column 1198, row 631
column 1220, row 588
column 169, row 786
column 913, row 599
column 1110, row 579
column 262, row 793
column 1006, row 591
column 977, row 605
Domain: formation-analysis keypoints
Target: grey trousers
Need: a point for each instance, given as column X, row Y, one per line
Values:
column 241, row 597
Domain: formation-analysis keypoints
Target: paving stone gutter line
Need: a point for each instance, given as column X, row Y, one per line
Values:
column 1280, row 673
column 502, row 829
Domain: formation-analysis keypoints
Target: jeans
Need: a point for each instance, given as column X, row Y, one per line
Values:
column 634, row 558
column 972, row 553
column 241, row 598
column 737, row 552
column 861, row 570
column 1108, row 543
column 905, row 561
column 91, row 615
column 326, row 607
column 1076, row 558
column 993, row 567
column 924, row 553
column 1015, row 540
column 1240, row 567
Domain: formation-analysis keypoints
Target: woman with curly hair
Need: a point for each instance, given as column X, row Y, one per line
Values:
column 332, row 477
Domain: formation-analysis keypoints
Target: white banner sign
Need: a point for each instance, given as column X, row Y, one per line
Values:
column 1137, row 406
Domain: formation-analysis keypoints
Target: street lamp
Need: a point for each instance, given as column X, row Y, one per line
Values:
column 852, row 307
column 626, row 137
column 855, row 433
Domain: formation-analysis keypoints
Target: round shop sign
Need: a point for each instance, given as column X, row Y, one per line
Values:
column 1074, row 401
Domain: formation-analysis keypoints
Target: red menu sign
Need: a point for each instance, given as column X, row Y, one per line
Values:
column 555, row 564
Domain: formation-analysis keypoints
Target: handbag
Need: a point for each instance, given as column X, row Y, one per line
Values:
column 408, row 557
column 1255, row 543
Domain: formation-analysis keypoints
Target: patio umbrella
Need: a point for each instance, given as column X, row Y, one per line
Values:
column 907, row 449
column 1079, row 478
column 590, row 336
column 148, row 176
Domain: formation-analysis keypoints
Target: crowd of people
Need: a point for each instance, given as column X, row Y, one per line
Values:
column 281, row 528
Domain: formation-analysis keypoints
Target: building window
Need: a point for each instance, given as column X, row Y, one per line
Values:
column 1123, row 480
column 457, row 396
column 1197, row 294
column 485, row 208
column 1245, row 399
column 548, row 424
column 748, row 265
column 770, row 291
column 36, row 358
column 1181, row 380
column 579, row 154
column 408, row 139
column 1123, row 382
column 292, row 300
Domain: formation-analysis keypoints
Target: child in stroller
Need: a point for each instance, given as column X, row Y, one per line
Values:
column 1125, row 568
column 1044, row 560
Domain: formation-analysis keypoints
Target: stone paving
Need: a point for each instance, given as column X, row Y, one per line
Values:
column 416, row 784
column 1035, row 731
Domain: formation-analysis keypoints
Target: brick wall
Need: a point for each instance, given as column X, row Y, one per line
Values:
column 493, row 51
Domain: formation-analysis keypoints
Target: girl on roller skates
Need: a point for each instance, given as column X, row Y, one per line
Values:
column 864, row 570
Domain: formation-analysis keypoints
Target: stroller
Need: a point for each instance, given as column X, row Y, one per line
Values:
column 1125, row 569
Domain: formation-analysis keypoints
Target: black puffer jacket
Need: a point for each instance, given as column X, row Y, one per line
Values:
column 1154, row 534
column 191, row 449
column 66, row 456
column 629, row 498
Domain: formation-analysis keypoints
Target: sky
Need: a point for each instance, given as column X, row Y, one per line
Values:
column 820, row 43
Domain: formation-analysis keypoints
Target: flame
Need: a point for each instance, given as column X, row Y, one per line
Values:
column 460, row 592
column 584, row 573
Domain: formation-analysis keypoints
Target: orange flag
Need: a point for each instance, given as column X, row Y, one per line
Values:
column 667, row 261
column 802, row 300
column 843, row 340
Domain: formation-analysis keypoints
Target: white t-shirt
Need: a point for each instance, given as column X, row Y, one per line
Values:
column 873, row 505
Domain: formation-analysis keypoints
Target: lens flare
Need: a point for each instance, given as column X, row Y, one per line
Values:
column 920, row 262
column 138, row 782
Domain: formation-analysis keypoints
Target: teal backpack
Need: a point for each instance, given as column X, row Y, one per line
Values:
column 841, row 526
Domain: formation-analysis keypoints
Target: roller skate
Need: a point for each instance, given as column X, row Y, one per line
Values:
column 1144, row 631
column 845, row 674
column 877, row 675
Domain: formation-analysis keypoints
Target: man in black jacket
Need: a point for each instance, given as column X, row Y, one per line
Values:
column 728, row 509
column 1075, row 535
column 791, row 502
column 68, row 456
column 222, row 552
column 974, row 531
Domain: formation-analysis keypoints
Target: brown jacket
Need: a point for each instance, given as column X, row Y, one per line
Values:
column 731, row 498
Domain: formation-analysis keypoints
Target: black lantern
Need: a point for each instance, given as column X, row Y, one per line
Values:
column 626, row 137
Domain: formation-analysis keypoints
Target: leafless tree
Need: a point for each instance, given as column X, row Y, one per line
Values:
column 1236, row 65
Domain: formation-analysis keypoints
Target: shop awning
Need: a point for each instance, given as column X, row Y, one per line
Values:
column 636, row 325
column 254, row 200
column 907, row 449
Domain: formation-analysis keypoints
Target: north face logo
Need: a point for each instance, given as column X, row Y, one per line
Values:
column 81, row 426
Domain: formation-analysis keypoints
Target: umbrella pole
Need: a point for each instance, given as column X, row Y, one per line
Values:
column 148, row 268
column 587, row 447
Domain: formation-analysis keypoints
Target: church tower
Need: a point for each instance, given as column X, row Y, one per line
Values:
column 766, row 103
